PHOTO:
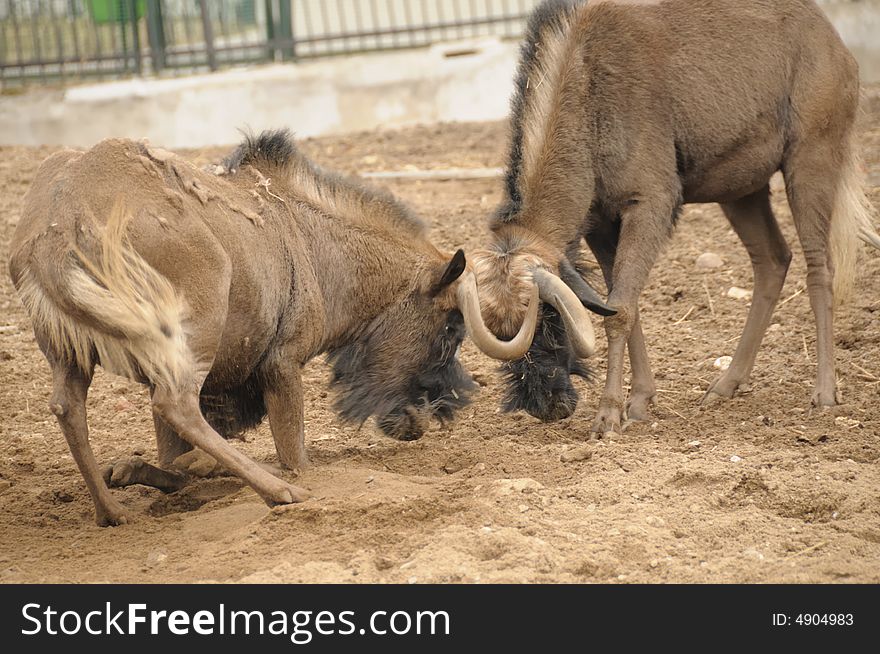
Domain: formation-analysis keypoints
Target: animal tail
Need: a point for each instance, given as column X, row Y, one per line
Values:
column 851, row 222
column 113, row 309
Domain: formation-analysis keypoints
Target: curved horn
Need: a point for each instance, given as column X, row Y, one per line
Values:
column 469, row 303
column 577, row 321
column 585, row 293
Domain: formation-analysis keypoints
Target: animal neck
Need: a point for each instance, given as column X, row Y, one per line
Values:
column 359, row 272
column 550, row 172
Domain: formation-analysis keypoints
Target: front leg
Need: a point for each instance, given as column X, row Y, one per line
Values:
column 643, row 389
column 645, row 226
column 284, row 402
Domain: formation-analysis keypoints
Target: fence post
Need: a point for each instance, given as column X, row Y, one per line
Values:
column 270, row 30
column 209, row 35
column 285, row 30
column 156, row 34
column 136, row 37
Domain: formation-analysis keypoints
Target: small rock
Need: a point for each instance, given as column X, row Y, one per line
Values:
column 156, row 557
column 370, row 479
column 384, row 563
column 5, row 485
column 709, row 261
column 694, row 444
column 510, row 486
column 582, row 453
column 735, row 459
column 6, row 356
column 452, row 467
column 722, row 363
column 370, row 160
column 412, row 580
column 523, row 508
column 739, row 293
column 123, row 405
column 753, row 554
column 775, row 327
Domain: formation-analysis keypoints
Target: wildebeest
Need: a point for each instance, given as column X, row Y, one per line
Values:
column 216, row 288
column 623, row 112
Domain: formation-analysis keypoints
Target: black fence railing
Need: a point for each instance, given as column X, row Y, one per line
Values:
column 55, row 41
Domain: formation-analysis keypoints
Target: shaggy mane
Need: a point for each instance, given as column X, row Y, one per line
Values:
column 335, row 195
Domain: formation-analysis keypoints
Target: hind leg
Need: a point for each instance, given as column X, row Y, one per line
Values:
column 134, row 470
column 811, row 175
column 753, row 221
column 70, row 387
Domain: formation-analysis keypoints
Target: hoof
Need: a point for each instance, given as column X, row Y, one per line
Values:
column 722, row 390
column 111, row 514
column 286, row 493
column 198, row 463
column 825, row 400
column 122, row 473
column 638, row 408
column 608, row 420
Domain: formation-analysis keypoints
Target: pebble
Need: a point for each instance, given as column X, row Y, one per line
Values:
column 709, row 261
column 694, row 444
column 156, row 557
column 124, row 405
column 5, row 485
column 735, row 459
column 739, row 293
column 722, row 363
column 582, row 453
column 753, row 554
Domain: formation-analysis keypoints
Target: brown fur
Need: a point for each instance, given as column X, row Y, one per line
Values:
column 626, row 110
column 129, row 257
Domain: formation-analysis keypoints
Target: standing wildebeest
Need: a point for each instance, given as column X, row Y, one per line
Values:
column 626, row 110
column 216, row 290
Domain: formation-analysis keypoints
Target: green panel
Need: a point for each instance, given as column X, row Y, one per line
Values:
column 114, row 11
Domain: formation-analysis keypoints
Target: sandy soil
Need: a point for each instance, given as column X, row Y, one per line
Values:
column 758, row 490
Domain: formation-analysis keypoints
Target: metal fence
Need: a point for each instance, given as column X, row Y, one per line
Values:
column 54, row 41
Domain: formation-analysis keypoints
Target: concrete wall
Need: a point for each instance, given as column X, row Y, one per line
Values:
column 453, row 82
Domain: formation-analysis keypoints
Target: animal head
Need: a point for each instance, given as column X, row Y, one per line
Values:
column 404, row 368
column 516, row 263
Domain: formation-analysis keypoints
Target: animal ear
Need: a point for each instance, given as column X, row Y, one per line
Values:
column 453, row 271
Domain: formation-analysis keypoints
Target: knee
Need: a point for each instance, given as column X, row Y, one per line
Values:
column 58, row 407
column 59, row 403
column 620, row 324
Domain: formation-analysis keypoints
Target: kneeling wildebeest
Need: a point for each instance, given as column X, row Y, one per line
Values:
column 215, row 290
column 626, row 110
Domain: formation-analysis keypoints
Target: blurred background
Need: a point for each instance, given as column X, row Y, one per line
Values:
column 187, row 73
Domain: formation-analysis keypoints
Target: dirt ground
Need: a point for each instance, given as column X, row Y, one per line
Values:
column 758, row 490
